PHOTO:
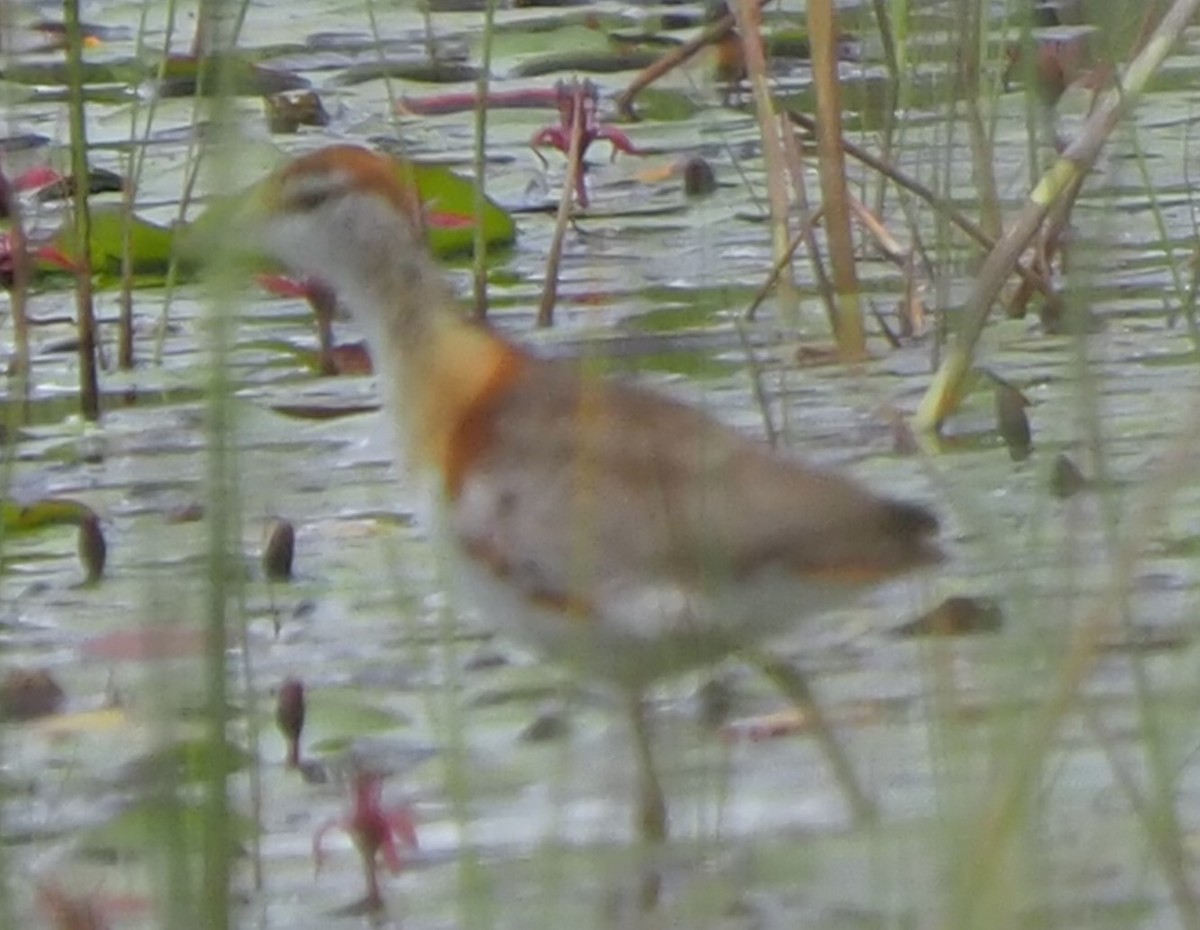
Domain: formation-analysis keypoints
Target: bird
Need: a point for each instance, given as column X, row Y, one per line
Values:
column 627, row 535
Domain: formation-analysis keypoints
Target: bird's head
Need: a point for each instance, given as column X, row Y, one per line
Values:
column 342, row 214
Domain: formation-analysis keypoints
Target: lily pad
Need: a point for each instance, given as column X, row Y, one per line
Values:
column 667, row 106
column 151, row 246
column 408, row 69
column 55, row 73
column 185, row 75
column 449, row 201
column 154, row 825
column 334, row 720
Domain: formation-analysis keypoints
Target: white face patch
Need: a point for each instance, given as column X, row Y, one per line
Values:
column 350, row 238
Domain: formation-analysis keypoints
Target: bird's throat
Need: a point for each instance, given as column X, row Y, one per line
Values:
column 440, row 380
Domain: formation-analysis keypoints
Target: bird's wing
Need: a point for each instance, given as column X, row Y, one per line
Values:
column 587, row 486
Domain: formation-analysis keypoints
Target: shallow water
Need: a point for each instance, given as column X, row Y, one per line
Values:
column 520, row 833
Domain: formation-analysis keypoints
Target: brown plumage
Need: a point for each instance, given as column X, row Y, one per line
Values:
column 627, row 534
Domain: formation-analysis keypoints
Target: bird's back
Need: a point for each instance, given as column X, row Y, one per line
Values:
column 640, row 525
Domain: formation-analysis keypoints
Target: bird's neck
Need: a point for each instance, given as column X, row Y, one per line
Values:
column 438, row 374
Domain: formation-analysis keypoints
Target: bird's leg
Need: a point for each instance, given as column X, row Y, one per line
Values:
column 794, row 685
column 650, row 815
column 324, row 306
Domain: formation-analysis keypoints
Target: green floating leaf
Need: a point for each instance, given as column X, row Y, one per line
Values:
column 449, row 201
column 185, row 762
column 666, row 106
column 161, row 826
column 151, row 246
column 49, row 511
column 336, row 720
column 334, row 716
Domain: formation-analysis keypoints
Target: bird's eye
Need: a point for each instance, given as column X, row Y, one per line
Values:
column 305, row 200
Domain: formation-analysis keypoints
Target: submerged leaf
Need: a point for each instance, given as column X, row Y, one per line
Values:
column 26, row 694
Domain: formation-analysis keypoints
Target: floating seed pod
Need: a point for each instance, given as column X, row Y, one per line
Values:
column 280, row 549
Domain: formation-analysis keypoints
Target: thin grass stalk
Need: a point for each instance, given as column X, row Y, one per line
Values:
column 253, row 719
column 945, row 392
column 823, row 37
column 891, row 59
column 808, row 220
column 217, row 30
column 19, row 293
column 1166, row 845
column 20, row 380
column 749, row 15
column 714, row 32
column 224, row 587
column 125, row 356
column 19, row 370
column 968, row 19
column 1036, row 122
column 479, row 266
column 426, row 10
column 942, row 206
column 89, row 391
column 1164, row 236
column 239, row 20
column 757, row 387
column 1159, row 813
column 764, row 290
column 1003, row 810
column 133, row 174
column 389, row 85
column 185, row 194
column 1192, row 292
column 545, row 314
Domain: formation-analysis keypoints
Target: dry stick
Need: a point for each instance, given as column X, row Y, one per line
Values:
column 672, row 59
column 884, row 241
column 750, row 22
column 795, row 162
column 897, row 255
column 944, row 394
column 89, row 391
column 756, row 383
column 831, row 166
column 747, row 316
column 764, row 289
column 1056, row 222
column 1001, row 813
column 964, row 223
column 545, row 314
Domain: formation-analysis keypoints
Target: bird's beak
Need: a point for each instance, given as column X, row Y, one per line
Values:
column 255, row 209
column 233, row 231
